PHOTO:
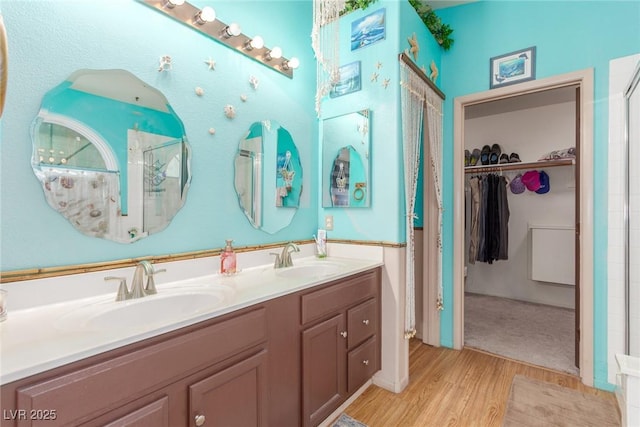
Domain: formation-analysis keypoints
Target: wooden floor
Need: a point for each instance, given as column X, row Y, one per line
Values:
column 452, row 388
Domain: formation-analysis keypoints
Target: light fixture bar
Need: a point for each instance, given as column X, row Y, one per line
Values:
column 216, row 30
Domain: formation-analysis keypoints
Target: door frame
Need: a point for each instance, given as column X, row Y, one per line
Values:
column 584, row 80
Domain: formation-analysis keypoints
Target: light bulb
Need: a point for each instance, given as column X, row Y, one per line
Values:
column 256, row 43
column 207, row 14
column 274, row 53
column 232, row 30
column 291, row 64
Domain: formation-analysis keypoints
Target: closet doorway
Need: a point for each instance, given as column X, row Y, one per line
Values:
column 572, row 218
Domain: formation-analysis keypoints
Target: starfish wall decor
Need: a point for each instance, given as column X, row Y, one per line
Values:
column 413, row 41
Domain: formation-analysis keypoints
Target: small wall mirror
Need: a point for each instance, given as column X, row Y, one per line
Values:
column 111, row 155
column 268, row 176
column 346, row 141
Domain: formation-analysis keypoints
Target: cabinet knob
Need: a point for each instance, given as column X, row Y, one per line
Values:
column 344, row 334
column 365, row 321
column 200, row 419
column 365, row 362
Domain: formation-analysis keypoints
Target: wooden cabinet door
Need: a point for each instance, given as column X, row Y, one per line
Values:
column 323, row 369
column 233, row 397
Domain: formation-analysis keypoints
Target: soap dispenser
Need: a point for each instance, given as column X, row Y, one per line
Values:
column 228, row 259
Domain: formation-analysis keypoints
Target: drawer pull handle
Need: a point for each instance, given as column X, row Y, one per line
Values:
column 343, row 334
column 365, row 362
column 365, row 321
column 200, row 420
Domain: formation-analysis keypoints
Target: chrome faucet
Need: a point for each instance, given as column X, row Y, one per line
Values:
column 138, row 288
column 284, row 258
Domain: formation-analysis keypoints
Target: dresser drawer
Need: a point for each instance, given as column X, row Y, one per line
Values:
column 331, row 298
column 362, row 322
column 362, row 364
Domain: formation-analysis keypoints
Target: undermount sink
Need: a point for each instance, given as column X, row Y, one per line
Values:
column 317, row 269
column 166, row 307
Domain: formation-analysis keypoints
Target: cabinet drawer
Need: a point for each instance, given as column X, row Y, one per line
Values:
column 362, row 364
column 81, row 394
column 329, row 299
column 362, row 321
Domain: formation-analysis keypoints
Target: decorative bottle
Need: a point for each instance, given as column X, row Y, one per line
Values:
column 228, row 259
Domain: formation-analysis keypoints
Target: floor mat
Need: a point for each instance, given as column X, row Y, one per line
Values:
column 346, row 421
column 534, row 403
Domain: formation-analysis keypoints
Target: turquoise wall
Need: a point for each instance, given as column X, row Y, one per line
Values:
column 569, row 36
column 49, row 39
column 384, row 220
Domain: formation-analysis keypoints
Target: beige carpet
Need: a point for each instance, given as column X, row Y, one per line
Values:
column 534, row 333
column 534, row 403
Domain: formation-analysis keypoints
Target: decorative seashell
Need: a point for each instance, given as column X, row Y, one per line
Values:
column 199, row 91
column 229, row 111
column 212, row 131
column 253, row 81
column 66, row 182
column 243, row 98
column 165, row 63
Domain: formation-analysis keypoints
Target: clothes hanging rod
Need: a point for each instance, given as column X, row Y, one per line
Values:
column 407, row 60
column 519, row 166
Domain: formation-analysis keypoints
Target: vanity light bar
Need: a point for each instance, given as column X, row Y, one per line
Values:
column 219, row 31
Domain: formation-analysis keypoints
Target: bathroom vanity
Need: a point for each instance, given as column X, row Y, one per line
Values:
column 267, row 358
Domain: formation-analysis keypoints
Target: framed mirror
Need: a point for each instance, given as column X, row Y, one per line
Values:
column 268, row 176
column 111, row 155
column 346, row 141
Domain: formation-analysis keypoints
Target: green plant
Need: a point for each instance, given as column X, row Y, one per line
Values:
column 441, row 32
column 352, row 5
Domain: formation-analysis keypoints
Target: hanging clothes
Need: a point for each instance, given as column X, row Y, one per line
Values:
column 489, row 228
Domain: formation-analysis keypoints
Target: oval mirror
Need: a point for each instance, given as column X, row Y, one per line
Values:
column 346, row 141
column 268, row 176
column 111, row 155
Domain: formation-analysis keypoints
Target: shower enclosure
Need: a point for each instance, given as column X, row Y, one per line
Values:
column 632, row 215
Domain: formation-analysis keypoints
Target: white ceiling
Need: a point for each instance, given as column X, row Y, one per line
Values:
column 521, row 102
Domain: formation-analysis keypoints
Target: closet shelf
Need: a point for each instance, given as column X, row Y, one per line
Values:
column 519, row 166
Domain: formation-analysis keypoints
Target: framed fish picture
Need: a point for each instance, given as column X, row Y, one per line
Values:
column 368, row 30
column 514, row 67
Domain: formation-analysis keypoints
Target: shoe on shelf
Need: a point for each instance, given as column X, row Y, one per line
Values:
column 475, row 157
column 514, row 158
column 494, row 156
column 484, row 155
column 467, row 158
column 504, row 158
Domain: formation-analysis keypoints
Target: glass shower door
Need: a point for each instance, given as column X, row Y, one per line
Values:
column 632, row 272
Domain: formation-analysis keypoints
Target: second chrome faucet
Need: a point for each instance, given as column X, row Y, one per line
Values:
column 138, row 288
column 283, row 259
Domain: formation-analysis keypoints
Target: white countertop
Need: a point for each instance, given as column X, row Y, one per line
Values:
column 33, row 340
